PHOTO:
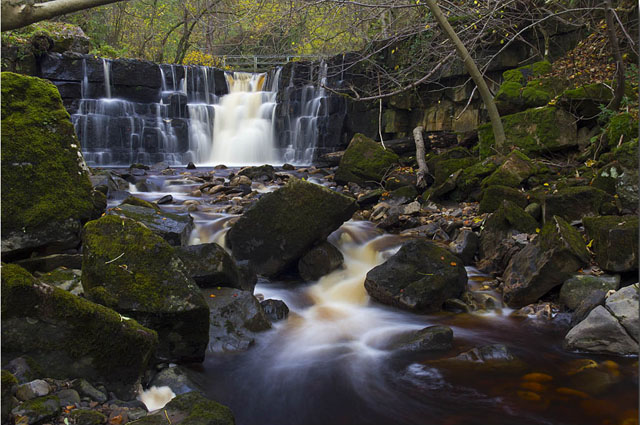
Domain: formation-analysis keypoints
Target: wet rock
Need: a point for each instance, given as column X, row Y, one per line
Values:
column 235, row 317
column 364, row 162
column 465, row 246
column 87, row 417
column 592, row 378
column 432, row 338
column 262, row 173
column 210, row 265
column 176, row 378
column 534, row 209
column 615, row 241
column 174, row 228
column 39, row 320
column 190, row 408
column 600, row 332
column 47, row 195
column 283, row 225
column 419, row 278
column 541, row 266
column 319, row 261
column 166, row 199
column 191, row 166
column 38, row 409
column 134, row 271
column 578, row 287
column 33, row 389
column 402, row 195
column 623, row 304
column 240, row 180
column 494, row 196
column 370, row 197
column 485, row 358
column 574, row 203
column 289, row 167
column 85, row 389
column 275, row 310
column 68, row 397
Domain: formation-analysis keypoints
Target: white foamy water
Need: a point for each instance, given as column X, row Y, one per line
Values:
column 156, row 398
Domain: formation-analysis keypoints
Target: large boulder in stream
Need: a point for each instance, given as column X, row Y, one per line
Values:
column 127, row 267
column 46, row 192
column 420, row 277
column 283, row 225
column 73, row 337
column 319, row 261
column 364, row 162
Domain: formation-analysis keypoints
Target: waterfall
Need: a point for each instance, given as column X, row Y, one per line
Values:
column 106, row 66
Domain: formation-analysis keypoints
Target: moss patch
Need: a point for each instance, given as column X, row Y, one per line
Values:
column 493, row 196
column 623, row 126
column 364, row 161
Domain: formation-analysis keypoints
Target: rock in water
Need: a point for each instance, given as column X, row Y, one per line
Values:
column 432, row 338
column 174, row 228
column 127, row 267
column 73, row 337
column 601, row 332
column 320, row 261
column 283, row 225
column 46, row 192
column 419, row 278
column 275, row 310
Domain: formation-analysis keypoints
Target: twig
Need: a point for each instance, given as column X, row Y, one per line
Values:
column 111, row 261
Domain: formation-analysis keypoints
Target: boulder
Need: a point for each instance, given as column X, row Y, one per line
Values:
column 364, row 162
column 541, row 266
column 85, row 389
column 129, row 268
column 319, row 261
column 574, row 203
column 431, row 338
column 73, row 337
column 534, row 131
column 615, row 241
column 578, row 287
column 600, row 332
column 176, row 378
column 236, row 316
column 494, row 196
column 623, row 304
column 420, row 277
column 591, row 301
column 515, row 169
column 585, row 101
column 37, row 410
column 47, row 195
column 262, row 173
column 191, row 408
column 283, row 225
column 87, row 417
column 210, row 265
column 33, row 389
column 174, row 228
column 465, row 246
column 275, row 310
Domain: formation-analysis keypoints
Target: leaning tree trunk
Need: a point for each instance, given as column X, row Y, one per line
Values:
column 472, row 69
column 421, row 181
column 618, row 92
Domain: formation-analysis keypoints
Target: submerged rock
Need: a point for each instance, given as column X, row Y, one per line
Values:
column 174, row 228
column 73, row 337
column 615, row 241
column 486, row 358
column 364, row 162
column 127, row 267
column 283, row 225
column 319, row 261
column 275, row 310
column 419, row 278
column 432, row 338
column 190, row 409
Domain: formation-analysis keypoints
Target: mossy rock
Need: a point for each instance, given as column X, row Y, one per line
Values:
column 283, row 225
column 622, row 126
column 587, row 100
column 8, row 385
column 402, row 195
column 574, row 203
column 518, row 218
column 579, row 287
column 127, row 267
column 87, row 417
column 615, row 241
column 133, row 200
column 38, row 409
column 521, row 91
column 468, row 184
column 174, row 228
column 46, row 195
column 493, row 196
column 190, row 409
column 559, row 235
column 534, row 131
column 364, row 162
column 627, row 153
column 72, row 336
column 515, row 169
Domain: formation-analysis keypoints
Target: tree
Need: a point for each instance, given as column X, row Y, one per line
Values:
column 17, row 14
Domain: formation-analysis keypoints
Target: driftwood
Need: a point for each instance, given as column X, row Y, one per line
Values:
column 420, row 157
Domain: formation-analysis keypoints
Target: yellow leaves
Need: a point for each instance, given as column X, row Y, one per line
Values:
column 590, row 244
column 453, row 263
column 590, row 163
column 537, row 377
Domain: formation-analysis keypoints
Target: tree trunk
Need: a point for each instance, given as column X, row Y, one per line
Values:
column 421, row 181
column 15, row 15
column 618, row 92
column 472, row 69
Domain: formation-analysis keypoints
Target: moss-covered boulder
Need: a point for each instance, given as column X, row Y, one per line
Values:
column 622, row 127
column 534, row 131
column 127, row 267
column 283, row 225
column 190, row 409
column 585, row 100
column 364, row 162
column 172, row 227
column 576, row 202
column 493, row 196
column 37, row 410
column 420, row 277
column 46, row 192
column 615, row 241
column 522, row 89
column 541, row 266
column 73, row 337
column 579, row 287
column 515, row 169
column 468, row 183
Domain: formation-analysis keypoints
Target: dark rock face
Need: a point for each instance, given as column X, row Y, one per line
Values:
column 46, row 195
column 615, row 241
column 210, row 265
column 574, row 203
column 73, row 337
column 281, row 227
column 235, row 318
column 127, row 267
column 432, row 338
column 465, row 246
column 190, row 408
column 174, row 228
column 275, row 310
column 419, row 278
column 319, row 261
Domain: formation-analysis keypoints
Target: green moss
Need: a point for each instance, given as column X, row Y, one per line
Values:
column 514, row 170
column 406, row 192
column 541, row 68
column 573, row 203
column 493, row 196
column 364, row 161
column 87, row 417
column 471, row 177
column 41, row 178
column 623, row 126
column 627, row 153
column 513, row 76
column 509, row 92
column 7, row 381
column 519, row 218
column 443, row 169
column 533, row 96
column 596, row 91
column 132, row 200
column 559, row 235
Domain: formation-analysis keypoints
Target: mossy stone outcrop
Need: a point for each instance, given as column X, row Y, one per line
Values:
column 72, row 336
column 172, row 227
column 535, row 131
column 515, row 169
column 283, row 225
column 364, row 162
column 615, row 241
column 493, row 196
column 622, row 127
column 191, row 408
column 522, row 89
column 127, row 267
column 46, row 192
column 420, row 277
column 575, row 202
